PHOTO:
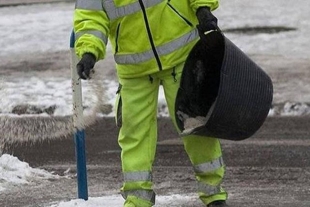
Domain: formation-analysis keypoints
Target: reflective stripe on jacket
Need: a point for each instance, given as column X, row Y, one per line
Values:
column 146, row 35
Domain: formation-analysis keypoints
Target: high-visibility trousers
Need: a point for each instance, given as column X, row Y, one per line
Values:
column 136, row 114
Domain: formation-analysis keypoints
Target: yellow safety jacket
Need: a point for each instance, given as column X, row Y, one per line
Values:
column 146, row 35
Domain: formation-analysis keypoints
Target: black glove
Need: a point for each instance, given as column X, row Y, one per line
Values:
column 86, row 65
column 207, row 21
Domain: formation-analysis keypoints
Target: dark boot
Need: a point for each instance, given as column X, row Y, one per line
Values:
column 217, row 204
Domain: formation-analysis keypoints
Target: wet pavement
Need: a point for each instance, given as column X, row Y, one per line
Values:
column 272, row 168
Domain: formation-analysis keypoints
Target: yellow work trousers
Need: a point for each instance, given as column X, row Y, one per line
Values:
column 136, row 115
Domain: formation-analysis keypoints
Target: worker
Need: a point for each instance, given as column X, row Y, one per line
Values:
column 151, row 40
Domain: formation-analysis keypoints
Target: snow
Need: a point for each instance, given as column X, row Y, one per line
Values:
column 268, row 13
column 15, row 172
column 48, row 92
column 114, row 200
column 38, row 28
column 43, row 27
column 46, row 27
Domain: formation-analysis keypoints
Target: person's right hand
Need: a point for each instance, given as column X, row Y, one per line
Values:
column 85, row 66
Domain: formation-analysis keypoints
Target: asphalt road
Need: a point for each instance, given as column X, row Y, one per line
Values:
column 272, row 168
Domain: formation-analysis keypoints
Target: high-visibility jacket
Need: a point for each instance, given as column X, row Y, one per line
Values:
column 146, row 35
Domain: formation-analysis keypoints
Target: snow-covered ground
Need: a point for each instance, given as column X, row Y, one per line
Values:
column 114, row 200
column 14, row 172
column 46, row 28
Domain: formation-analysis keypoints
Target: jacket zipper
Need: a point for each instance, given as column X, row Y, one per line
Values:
column 150, row 35
column 116, row 39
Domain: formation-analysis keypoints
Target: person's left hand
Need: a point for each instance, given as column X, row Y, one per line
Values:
column 207, row 21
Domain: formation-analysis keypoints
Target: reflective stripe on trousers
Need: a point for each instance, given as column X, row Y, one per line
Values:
column 205, row 168
column 209, row 166
column 147, row 195
column 139, row 176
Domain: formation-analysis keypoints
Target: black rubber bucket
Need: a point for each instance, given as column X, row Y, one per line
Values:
column 223, row 93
